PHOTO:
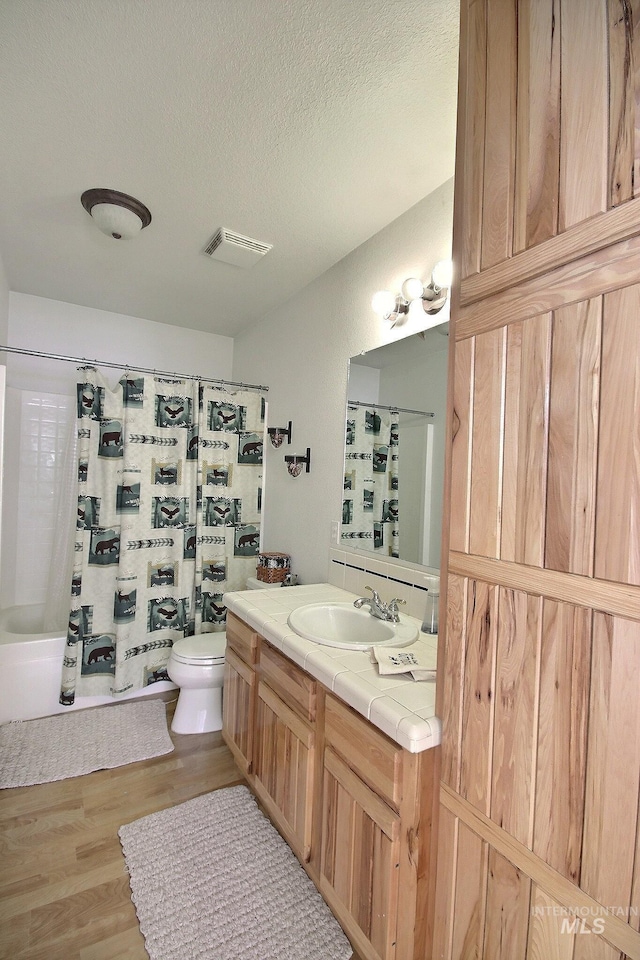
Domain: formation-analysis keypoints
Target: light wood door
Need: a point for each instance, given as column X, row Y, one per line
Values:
column 284, row 768
column 360, row 859
column 540, row 656
column 238, row 708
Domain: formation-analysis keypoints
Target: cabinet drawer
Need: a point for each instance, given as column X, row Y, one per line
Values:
column 368, row 751
column 242, row 639
column 295, row 686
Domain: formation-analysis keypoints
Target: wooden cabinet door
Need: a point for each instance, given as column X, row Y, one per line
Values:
column 238, row 706
column 284, row 763
column 539, row 655
column 360, row 859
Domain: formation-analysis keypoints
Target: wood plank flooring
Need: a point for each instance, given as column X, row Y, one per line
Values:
column 64, row 887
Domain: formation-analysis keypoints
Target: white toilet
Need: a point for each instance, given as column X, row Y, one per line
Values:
column 196, row 665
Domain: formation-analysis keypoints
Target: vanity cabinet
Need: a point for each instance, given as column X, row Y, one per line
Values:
column 355, row 807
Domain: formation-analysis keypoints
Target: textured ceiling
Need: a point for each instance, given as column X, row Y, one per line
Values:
column 307, row 124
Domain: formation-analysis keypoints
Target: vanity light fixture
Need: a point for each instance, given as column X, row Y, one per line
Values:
column 297, row 461
column 277, row 435
column 433, row 294
column 116, row 214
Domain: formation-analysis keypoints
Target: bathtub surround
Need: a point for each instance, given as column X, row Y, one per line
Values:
column 252, row 899
column 169, row 477
column 57, row 748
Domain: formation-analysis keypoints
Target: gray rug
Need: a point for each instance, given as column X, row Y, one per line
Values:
column 72, row 744
column 212, row 879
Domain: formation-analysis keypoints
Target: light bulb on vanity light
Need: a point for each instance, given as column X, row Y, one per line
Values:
column 384, row 303
column 412, row 289
column 442, row 273
column 389, row 306
column 433, row 295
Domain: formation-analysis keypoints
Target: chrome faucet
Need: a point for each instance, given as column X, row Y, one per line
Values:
column 377, row 607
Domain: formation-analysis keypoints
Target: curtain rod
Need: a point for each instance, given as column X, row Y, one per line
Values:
column 381, row 406
column 123, row 366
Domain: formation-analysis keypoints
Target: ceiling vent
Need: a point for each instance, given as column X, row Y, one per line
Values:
column 233, row 248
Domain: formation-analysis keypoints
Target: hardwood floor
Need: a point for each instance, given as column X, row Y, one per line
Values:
column 64, row 887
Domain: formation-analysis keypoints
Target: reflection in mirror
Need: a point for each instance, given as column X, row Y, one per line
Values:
column 394, row 449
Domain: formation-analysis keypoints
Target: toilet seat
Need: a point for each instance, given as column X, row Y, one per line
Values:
column 205, row 649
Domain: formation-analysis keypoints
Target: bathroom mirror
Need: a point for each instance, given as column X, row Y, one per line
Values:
column 394, row 449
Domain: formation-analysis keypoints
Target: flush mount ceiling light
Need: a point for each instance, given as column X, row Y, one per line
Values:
column 116, row 214
column 433, row 294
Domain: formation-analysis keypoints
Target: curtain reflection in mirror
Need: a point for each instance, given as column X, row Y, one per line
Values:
column 370, row 504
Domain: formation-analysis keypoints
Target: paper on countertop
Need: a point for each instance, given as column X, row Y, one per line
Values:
column 393, row 660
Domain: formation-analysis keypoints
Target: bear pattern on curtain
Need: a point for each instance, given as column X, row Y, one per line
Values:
column 370, row 503
column 169, row 501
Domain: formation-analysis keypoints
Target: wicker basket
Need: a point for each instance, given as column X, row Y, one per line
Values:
column 273, row 567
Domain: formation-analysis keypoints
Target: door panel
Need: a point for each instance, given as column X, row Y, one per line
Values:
column 283, row 767
column 539, row 660
column 359, row 858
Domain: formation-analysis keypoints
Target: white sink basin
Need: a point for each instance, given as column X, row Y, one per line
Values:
column 343, row 625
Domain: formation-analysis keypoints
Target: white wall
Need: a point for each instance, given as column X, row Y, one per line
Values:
column 4, row 333
column 41, row 415
column 4, row 304
column 301, row 351
column 66, row 328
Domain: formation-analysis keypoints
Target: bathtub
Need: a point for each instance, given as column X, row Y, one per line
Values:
column 31, row 667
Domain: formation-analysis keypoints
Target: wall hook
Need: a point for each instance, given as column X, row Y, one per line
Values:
column 277, row 435
column 296, row 462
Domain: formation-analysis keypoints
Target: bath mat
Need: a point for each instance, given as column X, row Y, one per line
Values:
column 71, row 744
column 212, row 879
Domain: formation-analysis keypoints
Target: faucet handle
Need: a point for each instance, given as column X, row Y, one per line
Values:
column 392, row 606
column 374, row 593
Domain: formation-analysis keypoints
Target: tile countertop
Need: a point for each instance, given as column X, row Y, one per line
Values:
column 401, row 707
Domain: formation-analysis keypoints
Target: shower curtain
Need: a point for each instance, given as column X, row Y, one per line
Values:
column 169, row 476
column 370, row 503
